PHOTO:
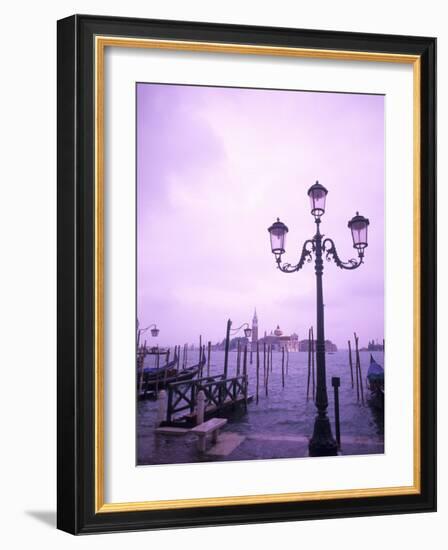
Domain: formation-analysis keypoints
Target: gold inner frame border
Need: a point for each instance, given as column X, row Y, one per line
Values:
column 100, row 44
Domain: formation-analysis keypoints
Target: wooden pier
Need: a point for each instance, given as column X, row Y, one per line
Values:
column 222, row 395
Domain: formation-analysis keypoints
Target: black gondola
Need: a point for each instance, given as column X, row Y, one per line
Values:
column 375, row 383
column 155, row 379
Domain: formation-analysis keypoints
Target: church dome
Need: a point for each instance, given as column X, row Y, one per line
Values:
column 278, row 331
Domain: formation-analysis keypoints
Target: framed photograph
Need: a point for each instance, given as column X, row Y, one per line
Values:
column 246, row 274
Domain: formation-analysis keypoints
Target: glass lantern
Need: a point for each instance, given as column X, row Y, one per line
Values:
column 358, row 226
column 317, row 194
column 278, row 232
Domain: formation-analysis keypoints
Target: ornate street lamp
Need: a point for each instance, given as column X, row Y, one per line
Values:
column 322, row 442
column 154, row 331
column 229, row 331
column 247, row 330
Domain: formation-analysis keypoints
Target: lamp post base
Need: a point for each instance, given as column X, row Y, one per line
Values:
column 322, row 443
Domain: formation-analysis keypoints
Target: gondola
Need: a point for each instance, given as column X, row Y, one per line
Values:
column 375, row 383
column 157, row 379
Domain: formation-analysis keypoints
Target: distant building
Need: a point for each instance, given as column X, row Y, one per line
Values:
column 254, row 331
column 278, row 340
column 329, row 346
column 375, row 346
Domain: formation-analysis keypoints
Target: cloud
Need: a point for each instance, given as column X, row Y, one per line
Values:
column 216, row 166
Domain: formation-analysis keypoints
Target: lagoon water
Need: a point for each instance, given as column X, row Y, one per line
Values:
column 280, row 425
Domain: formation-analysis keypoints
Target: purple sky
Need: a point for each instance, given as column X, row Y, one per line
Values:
column 215, row 167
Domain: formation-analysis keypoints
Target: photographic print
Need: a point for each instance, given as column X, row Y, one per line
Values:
column 246, row 274
column 260, row 273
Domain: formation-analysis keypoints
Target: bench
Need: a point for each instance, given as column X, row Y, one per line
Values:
column 211, row 427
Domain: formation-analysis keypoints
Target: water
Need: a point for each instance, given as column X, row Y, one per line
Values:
column 280, row 425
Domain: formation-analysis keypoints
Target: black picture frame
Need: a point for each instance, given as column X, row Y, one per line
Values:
column 76, row 512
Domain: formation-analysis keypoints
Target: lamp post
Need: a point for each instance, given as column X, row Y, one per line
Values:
column 322, row 442
column 230, row 330
column 247, row 330
column 154, row 332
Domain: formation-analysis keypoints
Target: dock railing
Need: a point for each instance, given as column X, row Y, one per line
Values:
column 219, row 393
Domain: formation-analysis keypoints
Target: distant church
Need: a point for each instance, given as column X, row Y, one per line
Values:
column 254, row 331
column 276, row 339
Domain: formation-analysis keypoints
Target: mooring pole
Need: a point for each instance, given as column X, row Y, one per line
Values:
column 267, row 374
column 358, row 368
column 283, row 367
column 264, row 363
column 157, row 371
column 202, row 360
column 309, row 366
column 238, row 352
column 258, row 370
column 246, row 380
column 351, row 361
column 336, row 382
column 226, row 350
column 208, row 357
column 200, row 407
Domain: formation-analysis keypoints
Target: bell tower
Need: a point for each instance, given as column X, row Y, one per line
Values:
column 254, row 331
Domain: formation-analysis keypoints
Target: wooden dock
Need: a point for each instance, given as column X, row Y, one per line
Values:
column 222, row 396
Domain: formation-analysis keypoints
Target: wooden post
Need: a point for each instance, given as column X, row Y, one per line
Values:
column 350, row 361
column 283, row 367
column 245, row 360
column 165, row 374
column 250, row 356
column 309, row 366
column 267, row 372
column 264, row 363
column 200, row 347
column 157, row 370
column 162, row 402
column 186, row 355
column 246, row 381
column 169, row 409
column 226, row 350
column 268, row 366
column 141, row 359
column 356, row 373
column 272, row 362
column 358, row 367
column 238, row 358
column 287, row 361
column 209, row 348
column 201, row 358
column 258, row 371
column 200, row 407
